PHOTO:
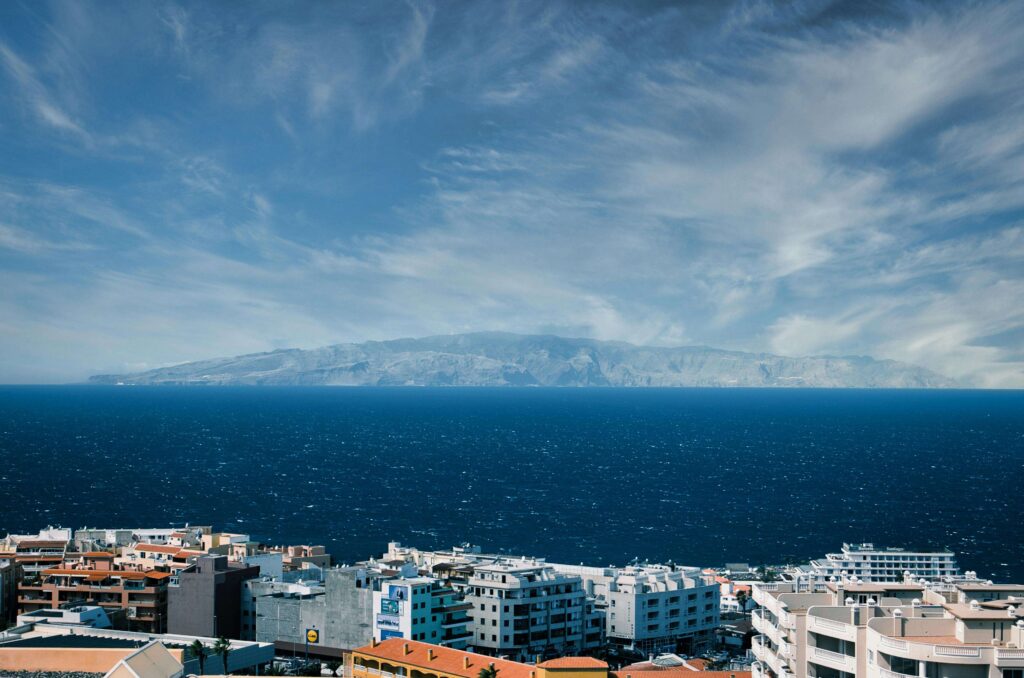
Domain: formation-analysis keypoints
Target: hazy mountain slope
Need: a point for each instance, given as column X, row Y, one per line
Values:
column 498, row 359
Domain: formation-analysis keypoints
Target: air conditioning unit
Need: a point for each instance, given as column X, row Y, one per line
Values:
column 997, row 643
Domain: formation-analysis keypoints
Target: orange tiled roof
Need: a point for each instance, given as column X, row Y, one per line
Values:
column 573, row 663
column 97, row 554
column 446, row 659
column 122, row 574
column 157, row 548
column 41, row 543
column 661, row 674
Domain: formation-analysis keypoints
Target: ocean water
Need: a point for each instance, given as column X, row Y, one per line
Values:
column 600, row 476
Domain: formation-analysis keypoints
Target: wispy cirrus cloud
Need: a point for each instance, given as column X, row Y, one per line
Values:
column 815, row 177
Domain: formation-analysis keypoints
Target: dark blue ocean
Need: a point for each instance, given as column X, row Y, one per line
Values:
column 577, row 475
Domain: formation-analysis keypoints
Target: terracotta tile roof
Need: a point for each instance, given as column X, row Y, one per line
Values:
column 622, row 673
column 446, row 659
column 573, row 663
column 41, row 543
column 157, row 548
column 122, row 574
column 97, row 554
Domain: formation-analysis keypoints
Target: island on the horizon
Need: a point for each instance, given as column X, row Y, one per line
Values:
column 505, row 359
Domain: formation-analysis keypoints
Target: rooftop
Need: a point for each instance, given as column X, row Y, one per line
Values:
column 573, row 663
column 445, row 659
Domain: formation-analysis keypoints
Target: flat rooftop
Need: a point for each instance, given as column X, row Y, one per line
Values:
column 74, row 641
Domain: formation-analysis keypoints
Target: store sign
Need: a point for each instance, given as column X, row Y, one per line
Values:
column 398, row 593
column 387, row 621
column 388, row 606
column 384, row 635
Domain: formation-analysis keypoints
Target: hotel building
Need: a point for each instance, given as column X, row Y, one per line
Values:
column 871, row 564
column 848, row 629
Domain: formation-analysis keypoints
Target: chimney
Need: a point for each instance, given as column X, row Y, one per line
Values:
column 465, row 661
column 491, row 665
column 430, row 654
column 405, row 648
column 374, row 642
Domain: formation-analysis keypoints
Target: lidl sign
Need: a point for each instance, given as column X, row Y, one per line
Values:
column 312, row 636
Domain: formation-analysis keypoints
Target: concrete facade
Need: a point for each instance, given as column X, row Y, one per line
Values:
column 207, row 598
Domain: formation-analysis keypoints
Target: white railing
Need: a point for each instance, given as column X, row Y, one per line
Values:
column 846, row 662
column 1009, row 654
column 831, row 624
column 957, row 651
column 894, row 644
column 886, row 673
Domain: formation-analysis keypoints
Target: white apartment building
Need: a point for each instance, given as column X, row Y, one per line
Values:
column 525, row 608
column 420, row 608
column 871, row 564
column 653, row 608
column 879, row 630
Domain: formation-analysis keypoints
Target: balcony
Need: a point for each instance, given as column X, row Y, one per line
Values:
column 764, row 625
column 832, row 628
column 1009, row 658
column 764, row 653
column 834, row 660
column 886, row 673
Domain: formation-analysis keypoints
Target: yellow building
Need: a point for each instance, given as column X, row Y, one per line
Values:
column 399, row 658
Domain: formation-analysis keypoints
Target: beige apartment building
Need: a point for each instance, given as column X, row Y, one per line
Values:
column 850, row 628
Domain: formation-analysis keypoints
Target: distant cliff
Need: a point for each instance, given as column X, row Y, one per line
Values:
column 499, row 359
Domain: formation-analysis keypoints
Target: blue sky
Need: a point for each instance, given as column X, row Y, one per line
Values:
column 181, row 181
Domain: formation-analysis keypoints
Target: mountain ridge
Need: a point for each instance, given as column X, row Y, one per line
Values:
column 507, row 359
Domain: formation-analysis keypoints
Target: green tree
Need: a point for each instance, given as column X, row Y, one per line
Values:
column 223, row 648
column 198, row 651
column 741, row 600
column 489, row 672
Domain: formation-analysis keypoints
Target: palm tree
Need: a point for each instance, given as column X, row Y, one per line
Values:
column 223, row 648
column 199, row 652
column 489, row 672
column 741, row 600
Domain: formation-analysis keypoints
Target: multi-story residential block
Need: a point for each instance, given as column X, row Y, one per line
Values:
column 34, row 553
column 301, row 556
column 885, row 630
column 871, row 564
column 205, row 598
column 143, row 557
column 522, row 609
column 8, row 591
column 112, row 539
column 653, row 608
column 421, row 608
column 142, row 595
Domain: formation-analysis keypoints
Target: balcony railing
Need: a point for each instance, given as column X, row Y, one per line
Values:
column 837, row 660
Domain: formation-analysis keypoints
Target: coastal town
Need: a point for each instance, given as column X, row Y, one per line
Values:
column 190, row 600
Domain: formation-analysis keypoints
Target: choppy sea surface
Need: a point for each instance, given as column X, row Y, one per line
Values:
column 601, row 476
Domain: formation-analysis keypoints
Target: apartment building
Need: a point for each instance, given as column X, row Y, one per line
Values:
column 31, row 554
column 421, row 608
column 871, row 564
column 205, row 598
column 523, row 608
column 882, row 630
column 142, row 595
column 143, row 557
column 653, row 608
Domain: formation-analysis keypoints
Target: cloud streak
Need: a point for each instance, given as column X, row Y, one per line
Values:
column 803, row 178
